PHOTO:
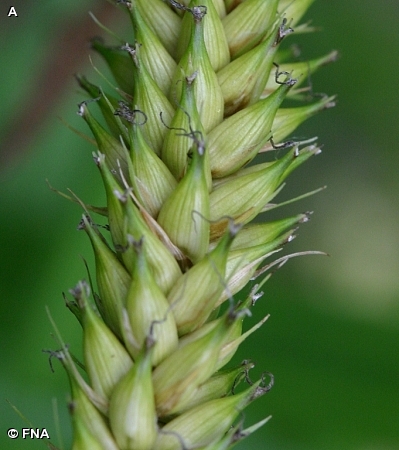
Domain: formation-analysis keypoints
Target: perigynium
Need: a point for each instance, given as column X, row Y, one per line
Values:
column 199, row 91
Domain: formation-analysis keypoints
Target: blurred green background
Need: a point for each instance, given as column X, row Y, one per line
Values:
column 333, row 336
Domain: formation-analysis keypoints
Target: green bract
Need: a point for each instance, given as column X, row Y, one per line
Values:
column 190, row 151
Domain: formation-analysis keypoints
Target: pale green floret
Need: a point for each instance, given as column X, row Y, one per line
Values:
column 263, row 233
column 238, row 139
column 208, row 422
column 185, row 127
column 89, row 417
column 149, row 312
column 179, row 376
column 160, row 64
column 112, row 278
column 214, row 37
column 194, row 295
column 151, row 179
column 184, row 215
column 164, row 266
column 244, row 197
column 132, row 407
column 219, row 385
column 107, row 105
column 207, row 91
column 288, row 119
column 116, row 219
column 119, row 63
column 150, row 99
column 106, row 358
column 248, row 24
column 108, row 145
column 163, row 22
column 83, row 438
column 243, row 80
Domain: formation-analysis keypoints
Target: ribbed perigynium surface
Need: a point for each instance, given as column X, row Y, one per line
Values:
column 200, row 91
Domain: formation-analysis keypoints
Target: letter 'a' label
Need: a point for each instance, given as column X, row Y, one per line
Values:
column 12, row 12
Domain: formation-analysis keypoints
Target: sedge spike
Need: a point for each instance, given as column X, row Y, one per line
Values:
column 194, row 143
